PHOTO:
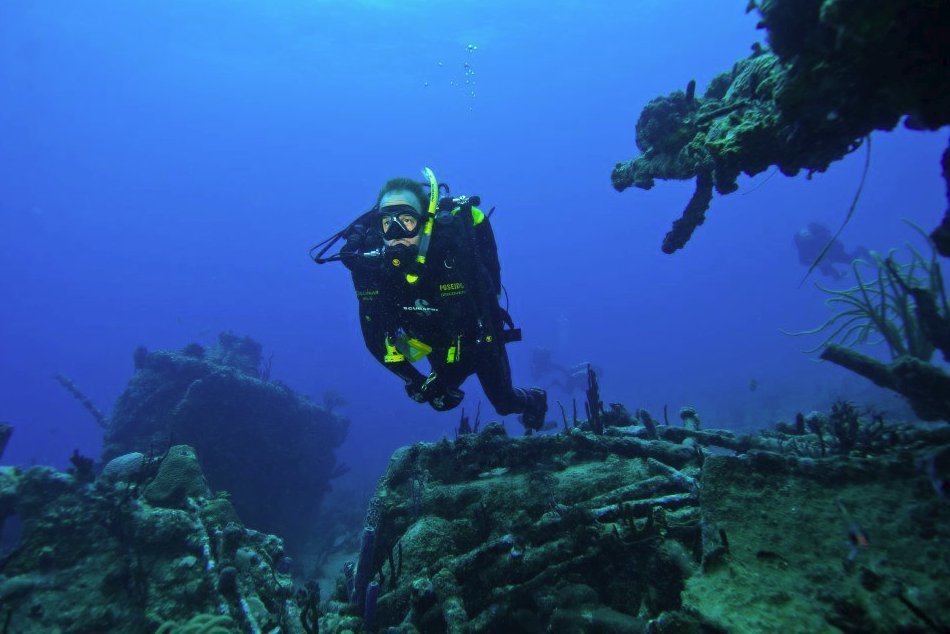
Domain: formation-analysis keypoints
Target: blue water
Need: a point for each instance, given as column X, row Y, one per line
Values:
column 165, row 166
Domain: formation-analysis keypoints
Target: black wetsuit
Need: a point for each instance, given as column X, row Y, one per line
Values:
column 452, row 308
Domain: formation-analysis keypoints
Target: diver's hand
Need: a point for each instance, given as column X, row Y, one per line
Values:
column 435, row 393
column 351, row 253
column 414, row 388
column 447, row 400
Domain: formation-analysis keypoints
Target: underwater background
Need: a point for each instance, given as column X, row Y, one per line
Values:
column 165, row 167
column 203, row 444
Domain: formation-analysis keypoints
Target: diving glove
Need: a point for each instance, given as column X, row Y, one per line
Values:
column 536, row 406
column 350, row 253
column 414, row 390
column 449, row 400
column 436, row 394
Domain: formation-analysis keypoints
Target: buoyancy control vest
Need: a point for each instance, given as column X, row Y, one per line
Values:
column 365, row 255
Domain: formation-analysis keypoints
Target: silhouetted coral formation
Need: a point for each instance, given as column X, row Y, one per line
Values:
column 271, row 448
column 6, row 430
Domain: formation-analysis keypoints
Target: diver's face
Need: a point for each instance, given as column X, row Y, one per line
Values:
column 409, row 221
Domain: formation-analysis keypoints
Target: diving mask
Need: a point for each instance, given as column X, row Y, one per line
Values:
column 400, row 221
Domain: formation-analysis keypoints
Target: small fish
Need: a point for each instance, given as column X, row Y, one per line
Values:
column 857, row 536
column 753, row 385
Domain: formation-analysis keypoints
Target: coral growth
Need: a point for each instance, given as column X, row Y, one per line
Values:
column 835, row 72
column 201, row 624
column 637, row 530
column 904, row 306
column 845, row 430
column 105, row 557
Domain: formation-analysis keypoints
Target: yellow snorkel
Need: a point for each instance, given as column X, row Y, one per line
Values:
column 412, row 278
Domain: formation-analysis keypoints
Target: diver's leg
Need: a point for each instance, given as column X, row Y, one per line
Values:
column 494, row 373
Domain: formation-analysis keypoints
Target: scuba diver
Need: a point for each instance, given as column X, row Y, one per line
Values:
column 427, row 278
column 813, row 240
column 563, row 378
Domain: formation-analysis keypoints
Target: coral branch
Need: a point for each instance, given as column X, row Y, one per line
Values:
column 906, row 306
column 693, row 216
column 595, row 407
column 84, row 400
column 926, row 387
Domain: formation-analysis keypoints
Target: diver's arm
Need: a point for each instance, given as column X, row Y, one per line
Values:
column 408, row 373
column 374, row 336
column 361, row 249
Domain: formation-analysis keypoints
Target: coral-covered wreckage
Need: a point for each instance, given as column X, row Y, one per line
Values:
column 830, row 523
column 833, row 522
column 269, row 447
column 836, row 521
column 137, row 542
column 145, row 547
column 834, row 71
